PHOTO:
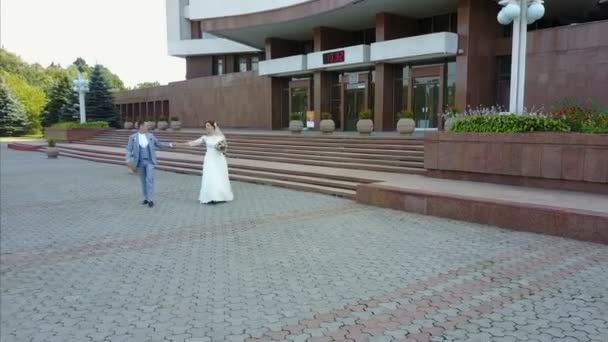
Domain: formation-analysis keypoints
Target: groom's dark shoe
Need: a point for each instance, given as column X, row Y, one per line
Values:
column 144, row 202
column 150, row 204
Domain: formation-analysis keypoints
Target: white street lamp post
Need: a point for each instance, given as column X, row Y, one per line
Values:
column 521, row 13
column 81, row 86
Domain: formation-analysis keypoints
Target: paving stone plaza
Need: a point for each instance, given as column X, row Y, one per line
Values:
column 83, row 260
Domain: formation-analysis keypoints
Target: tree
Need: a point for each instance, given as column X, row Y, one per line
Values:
column 99, row 100
column 147, row 85
column 32, row 98
column 59, row 98
column 70, row 111
column 13, row 119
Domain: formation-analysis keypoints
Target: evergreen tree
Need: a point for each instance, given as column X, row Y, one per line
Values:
column 99, row 99
column 60, row 97
column 70, row 111
column 13, row 118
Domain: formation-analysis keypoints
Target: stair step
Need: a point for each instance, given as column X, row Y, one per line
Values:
column 311, row 160
column 249, row 178
column 196, row 164
column 284, row 175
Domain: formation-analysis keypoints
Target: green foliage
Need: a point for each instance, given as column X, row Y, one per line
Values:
column 509, row 123
column 89, row 124
column 13, row 118
column 147, row 85
column 32, row 98
column 60, row 97
column 52, row 143
column 99, row 99
column 588, row 118
column 365, row 115
column 296, row 116
column 162, row 119
column 174, row 118
column 34, row 74
column 405, row 114
column 326, row 116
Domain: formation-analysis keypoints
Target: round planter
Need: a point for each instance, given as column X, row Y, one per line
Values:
column 448, row 123
column 52, row 152
column 406, row 126
column 151, row 125
column 176, row 125
column 296, row 126
column 162, row 125
column 365, row 126
column 128, row 125
column 327, row 126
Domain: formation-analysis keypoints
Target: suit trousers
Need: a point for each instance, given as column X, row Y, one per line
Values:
column 145, row 170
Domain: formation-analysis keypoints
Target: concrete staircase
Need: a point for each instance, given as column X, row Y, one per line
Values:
column 309, row 163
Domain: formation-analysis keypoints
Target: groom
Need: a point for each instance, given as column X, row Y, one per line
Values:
column 141, row 155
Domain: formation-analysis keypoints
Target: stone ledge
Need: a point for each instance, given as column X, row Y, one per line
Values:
column 559, row 221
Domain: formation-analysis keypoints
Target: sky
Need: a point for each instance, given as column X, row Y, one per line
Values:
column 127, row 36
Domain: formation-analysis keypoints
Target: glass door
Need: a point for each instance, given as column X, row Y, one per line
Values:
column 426, row 101
column 354, row 103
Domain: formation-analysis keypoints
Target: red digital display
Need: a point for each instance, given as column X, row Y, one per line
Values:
column 333, row 57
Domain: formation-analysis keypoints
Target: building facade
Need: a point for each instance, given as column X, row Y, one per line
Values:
column 251, row 63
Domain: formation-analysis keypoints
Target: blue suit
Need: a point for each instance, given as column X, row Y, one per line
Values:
column 145, row 161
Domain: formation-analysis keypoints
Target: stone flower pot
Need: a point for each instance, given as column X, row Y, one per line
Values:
column 296, row 126
column 151, row 125
column 327, row 126
column 52, row 152
column 448, row 123
column 162, row 125
column 406, row 126
column 128, row 125
column 365, row 126
column 176, row 125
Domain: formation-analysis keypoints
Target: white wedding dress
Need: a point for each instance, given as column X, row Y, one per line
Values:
column 215, row 183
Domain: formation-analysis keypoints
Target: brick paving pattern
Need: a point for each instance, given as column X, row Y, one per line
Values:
column 82, row 260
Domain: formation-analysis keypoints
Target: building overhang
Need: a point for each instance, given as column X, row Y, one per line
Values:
column 287, row 66
column 201, row 47
column 442, row 44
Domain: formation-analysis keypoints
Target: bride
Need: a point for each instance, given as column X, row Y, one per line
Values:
column 215, row 184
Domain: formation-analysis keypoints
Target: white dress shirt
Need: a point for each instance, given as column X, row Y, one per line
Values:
column 143, row 140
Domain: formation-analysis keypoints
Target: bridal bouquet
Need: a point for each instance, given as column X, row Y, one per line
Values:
column 221, row 146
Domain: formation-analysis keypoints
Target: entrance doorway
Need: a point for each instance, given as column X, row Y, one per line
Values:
column 426, row 95
column 354, row 103
column 426, row 101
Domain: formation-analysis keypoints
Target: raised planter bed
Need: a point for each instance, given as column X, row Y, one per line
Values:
column 71, row 134
column 567, row 161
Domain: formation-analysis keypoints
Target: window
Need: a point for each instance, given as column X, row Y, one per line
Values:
column 450, row 85
column 503, row 88
column 439, row 23
column 242, row 64
column 255, row 60
column 218, row 65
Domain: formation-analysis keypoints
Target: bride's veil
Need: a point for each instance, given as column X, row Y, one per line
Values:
column 218, row 131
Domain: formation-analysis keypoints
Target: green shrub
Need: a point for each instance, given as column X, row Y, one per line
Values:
column 405, row 114
column 74, row 124
column 365, row 115
column 296, row 116
column 162, row 119
column 52, row 143
column 174, row 118
column 587, row 118
column 326, row 116
column 595, row 126
column 509, row 123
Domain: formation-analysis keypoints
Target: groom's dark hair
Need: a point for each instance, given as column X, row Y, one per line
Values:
column 140, row 122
